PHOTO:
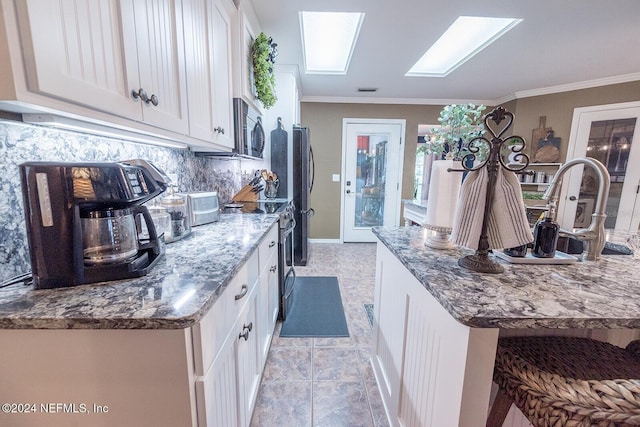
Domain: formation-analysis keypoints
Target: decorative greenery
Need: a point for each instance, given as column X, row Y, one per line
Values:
column 264, row 52
column 458, row 125
column 532, row 195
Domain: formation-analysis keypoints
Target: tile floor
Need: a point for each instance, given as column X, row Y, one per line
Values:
column 326, row 381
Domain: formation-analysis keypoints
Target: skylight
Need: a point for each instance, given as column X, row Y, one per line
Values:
column 328, row 40
column 467, row 36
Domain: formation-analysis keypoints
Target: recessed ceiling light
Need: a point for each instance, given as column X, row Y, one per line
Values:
column 467, row 36
column 328, row 39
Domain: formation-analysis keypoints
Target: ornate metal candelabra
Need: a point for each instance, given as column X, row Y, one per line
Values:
column 496, row 123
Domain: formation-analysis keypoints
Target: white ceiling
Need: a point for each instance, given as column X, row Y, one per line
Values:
column 560, row 45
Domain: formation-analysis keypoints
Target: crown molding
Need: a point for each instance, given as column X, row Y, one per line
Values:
column 400, row 101
column 587, row 84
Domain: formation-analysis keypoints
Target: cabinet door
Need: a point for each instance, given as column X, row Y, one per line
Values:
column 267, row 304
column 216, row 394
column 222, row 89
column 606, row 133
column 158, row 32
column 249, row 369
column 207, row 51
column 79, row 54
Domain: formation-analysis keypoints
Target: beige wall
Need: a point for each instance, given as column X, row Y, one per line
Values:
column 325, row 133
column 325, row 123
column 558, row 109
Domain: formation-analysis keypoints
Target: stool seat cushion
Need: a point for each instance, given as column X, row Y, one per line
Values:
column 569, row 381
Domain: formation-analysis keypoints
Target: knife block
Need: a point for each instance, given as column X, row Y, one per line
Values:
column 246, row 194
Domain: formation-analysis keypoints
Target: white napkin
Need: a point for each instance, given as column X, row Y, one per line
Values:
column 507, row 227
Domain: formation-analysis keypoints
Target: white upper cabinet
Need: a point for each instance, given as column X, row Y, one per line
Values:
column 246, row 31
column 121, row 57
column 74, row 50
column 156, row 28
column 207, row 32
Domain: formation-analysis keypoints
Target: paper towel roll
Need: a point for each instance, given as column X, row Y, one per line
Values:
column 444, row 189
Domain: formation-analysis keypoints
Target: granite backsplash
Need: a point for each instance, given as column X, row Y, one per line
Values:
column 21, row 142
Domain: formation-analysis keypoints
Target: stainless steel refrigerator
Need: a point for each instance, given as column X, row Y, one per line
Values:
column 302, row 178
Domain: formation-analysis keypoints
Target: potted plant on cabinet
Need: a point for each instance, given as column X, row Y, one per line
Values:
column 263, row 54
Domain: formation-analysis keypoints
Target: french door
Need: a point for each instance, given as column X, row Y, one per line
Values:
column 372, row 171
column 610, row 134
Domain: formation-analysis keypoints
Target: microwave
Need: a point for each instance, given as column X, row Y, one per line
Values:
column 249, row 133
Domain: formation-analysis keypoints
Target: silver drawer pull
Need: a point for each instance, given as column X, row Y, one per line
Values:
column 243, row 292
column 272, row 244
column 273, row 268
column 245, row 331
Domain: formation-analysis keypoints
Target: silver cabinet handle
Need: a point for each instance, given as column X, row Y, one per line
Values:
column 142, row 94
column 273, row 268
column 243, row 292
column 272, row 244
column 219, row 130
column 245, row 331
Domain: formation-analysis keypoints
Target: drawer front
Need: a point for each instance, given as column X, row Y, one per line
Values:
column 210, row 332
column 268, row 247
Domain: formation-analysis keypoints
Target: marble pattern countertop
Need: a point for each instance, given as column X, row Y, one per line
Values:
column 593, row 295
column 175, row 294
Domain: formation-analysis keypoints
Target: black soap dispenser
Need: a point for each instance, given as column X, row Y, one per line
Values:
column 545, row 233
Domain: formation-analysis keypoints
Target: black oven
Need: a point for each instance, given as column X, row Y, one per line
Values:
column 287, row 277
column 286, row 223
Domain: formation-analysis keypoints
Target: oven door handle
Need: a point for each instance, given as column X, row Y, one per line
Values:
column 290, row 226
column 289, row 273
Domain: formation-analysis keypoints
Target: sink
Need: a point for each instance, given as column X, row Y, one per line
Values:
column 571, row 245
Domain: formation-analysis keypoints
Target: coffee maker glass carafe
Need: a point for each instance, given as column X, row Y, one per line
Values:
column 109, row 236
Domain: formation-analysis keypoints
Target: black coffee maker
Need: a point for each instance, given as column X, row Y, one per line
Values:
column 81, row 220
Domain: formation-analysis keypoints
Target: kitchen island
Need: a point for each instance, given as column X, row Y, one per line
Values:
column 162, row 349
column 437, row 324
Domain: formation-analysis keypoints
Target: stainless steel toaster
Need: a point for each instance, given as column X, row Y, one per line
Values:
column 203, row 207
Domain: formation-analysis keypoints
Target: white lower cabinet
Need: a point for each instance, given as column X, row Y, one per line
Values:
column 249, row 368
column 206, row 375
column 226, row 394
column 420, row 354
column 232, row 340
column 267, row 293
column 216, row 393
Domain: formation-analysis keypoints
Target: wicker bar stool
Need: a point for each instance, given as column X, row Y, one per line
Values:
column 567, row 381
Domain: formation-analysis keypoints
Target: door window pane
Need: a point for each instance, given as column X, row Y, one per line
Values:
column 610, row 143
column 370, row 179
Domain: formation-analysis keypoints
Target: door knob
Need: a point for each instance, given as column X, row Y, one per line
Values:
column 348, row 191
column 573, row 198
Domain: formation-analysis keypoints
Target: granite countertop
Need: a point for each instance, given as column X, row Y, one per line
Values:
column 592, row 294
column 175, row 294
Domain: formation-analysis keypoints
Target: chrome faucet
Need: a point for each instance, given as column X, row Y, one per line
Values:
column 593, row 236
